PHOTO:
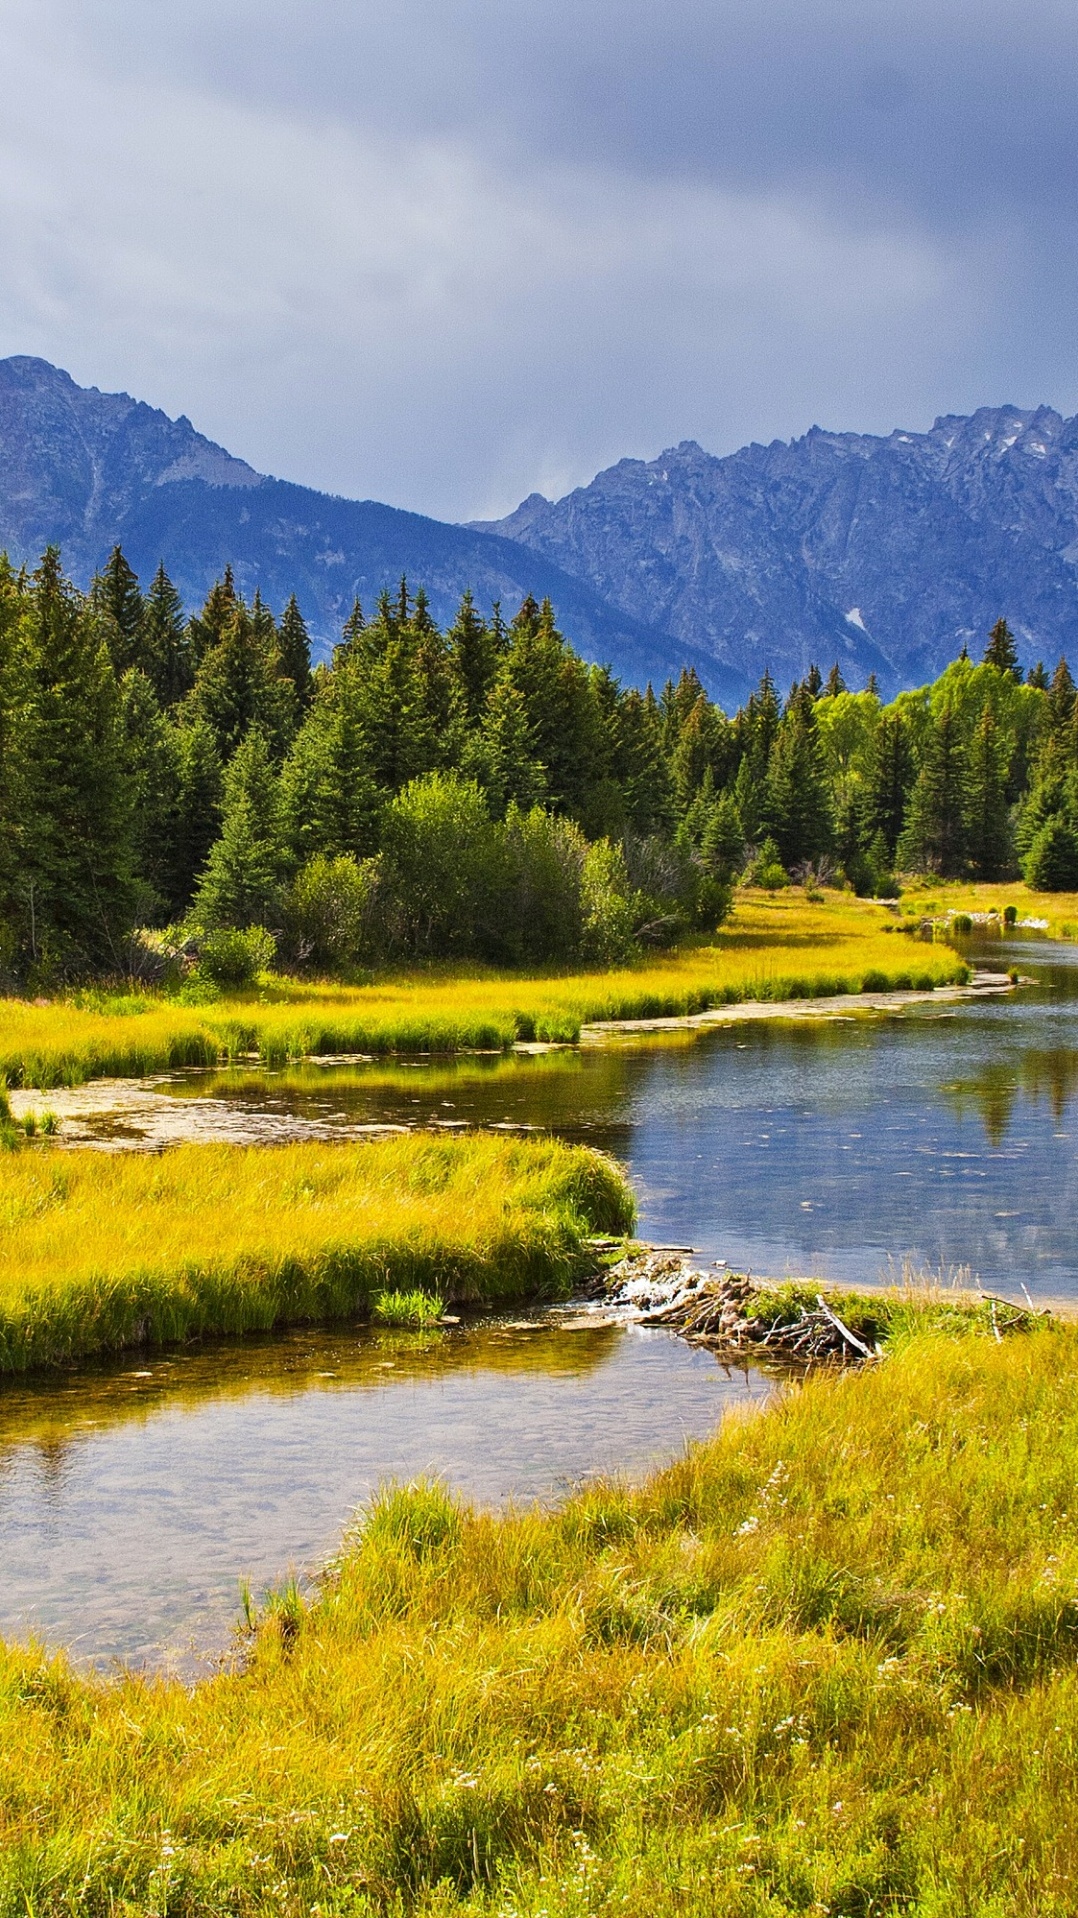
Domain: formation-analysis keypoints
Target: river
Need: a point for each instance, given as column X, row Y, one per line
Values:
column 134, row 1497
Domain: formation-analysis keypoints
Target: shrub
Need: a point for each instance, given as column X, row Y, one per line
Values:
column 541, row 914
column 328, row 911
column 234, row 957
column 961, row 922
column 767, row 869
column 608, row 908
column 442, row 868
column 1010, row 915
column 1051, row 864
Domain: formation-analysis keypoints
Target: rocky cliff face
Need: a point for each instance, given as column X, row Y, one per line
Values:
column 84, row 470
column 887, row 554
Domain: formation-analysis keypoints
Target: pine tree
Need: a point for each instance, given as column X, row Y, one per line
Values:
column 502, row 757
column 167, row 648
column 723, row 845
column 835, row 683
column 1001, row 651
column 208, row 629
column 934, row 835
column 988, row 835
column 197, row 783
column 118, row 603
column 1037, row 676
column 1061, row 697
column 888, row 778
column 351, row 635
column 76, row 880
column 798, row 802
column 330, row 803
column 239, row 684
column 561, row 706
column 474, row 659
column 813, row 682
column 242, row 883
column 641, row 766
column 294, row 646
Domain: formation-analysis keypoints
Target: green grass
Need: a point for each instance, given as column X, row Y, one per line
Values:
column 824, row 1664
column 776, row 947
column 102, row 1251
column 410, row 1309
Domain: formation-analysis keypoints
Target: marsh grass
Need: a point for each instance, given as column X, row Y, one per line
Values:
column 100, row 1251
column 777, row 947
column 410, row 1309
column 824, row 1663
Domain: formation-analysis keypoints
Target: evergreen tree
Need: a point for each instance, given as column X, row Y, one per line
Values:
column 208, row 629
column 988, row 835
column 75, row 883
column 1061, row 696
column 197, row 787
column 502, row 757
column 242, row 883
column 813, row 682
column 351, row 635
column 117, row 601
column 934, row 835
column 239, row 684
column 1001, row 651
column 330, row 803
column 294, row 647
column 167, row 649
column 640, row 764
column 723, row 844
column 835, row 683
column 561, row 707
column 474, row 659
column 798, row 804
column 1037, row 676
column 888, row 778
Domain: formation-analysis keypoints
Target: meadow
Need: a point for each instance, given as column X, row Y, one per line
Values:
column 825, row 1663
column 776, row 947
column 101, row 1251
column 1055, row 912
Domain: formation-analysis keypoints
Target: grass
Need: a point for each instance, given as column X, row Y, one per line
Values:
column 102, row 1251
column 937, row 896
column 413, row 1310
column 777, row 946
column 823, row 1664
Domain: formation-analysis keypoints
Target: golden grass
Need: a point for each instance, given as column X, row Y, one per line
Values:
column 99, row 1251
column 777, row 946
column 824, row 1664
column 934, row 896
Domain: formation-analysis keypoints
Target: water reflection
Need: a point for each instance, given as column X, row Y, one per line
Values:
column 133, row 1498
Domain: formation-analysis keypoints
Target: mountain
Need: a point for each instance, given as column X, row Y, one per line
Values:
column 887, row 554
column 86, row 470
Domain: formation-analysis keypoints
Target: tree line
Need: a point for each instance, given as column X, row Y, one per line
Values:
column 478, row 792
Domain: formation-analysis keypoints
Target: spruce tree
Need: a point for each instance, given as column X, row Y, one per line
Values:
column 330, row 802
column 888, row 778
column 934, row 834
column 835, row 683
column 239, row 684
column 197, row 783
column 1061, row 696
column 118, row 603
column 798, row 801
column 1001, row 651
column 723, row 844
column 294, row 646
column 242, row 883
column 473, row 657
column 167, row 649
column 988, row 835
column 1037, row 676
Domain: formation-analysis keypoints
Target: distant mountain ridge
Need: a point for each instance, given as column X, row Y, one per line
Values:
column 86, row 470
column 888, row 553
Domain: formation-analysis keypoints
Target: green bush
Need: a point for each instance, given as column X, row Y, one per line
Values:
column 232, row 956
column 328, row 911
column 1051, row 864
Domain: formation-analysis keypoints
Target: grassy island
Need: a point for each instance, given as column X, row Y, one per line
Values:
column 103, row 1251
column 777, row 946
column 826, row 1663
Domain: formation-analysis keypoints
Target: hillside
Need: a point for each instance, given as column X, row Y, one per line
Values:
column 887, row 554
column 85, row 470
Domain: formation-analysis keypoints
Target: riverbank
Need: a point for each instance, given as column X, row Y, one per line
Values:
column 1054, row 914
column 826, row 1662
column 776, row 947
column 102, row 1252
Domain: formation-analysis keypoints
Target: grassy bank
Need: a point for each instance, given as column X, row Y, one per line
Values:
column 102, row 1251
column 825, row 1664
column 775, row 947
column 1057, row 912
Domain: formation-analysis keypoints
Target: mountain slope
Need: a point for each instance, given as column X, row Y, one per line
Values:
column 887, row 554
column 84, row 470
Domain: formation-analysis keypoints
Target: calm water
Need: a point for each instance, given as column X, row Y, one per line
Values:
column 132, row 1501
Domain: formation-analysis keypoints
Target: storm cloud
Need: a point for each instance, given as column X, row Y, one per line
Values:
column 443, row 254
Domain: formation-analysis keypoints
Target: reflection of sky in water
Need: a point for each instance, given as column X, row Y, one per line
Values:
column 130, row 1508
column 945, row 1137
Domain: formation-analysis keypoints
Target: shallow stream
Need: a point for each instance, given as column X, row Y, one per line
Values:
column 134, row 1499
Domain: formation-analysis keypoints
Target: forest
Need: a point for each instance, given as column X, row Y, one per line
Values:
column 175, row 787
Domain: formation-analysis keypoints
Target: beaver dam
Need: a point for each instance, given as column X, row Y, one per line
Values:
column 792, row 1323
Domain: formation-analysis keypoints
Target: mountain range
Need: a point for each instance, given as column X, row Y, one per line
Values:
column 886, row 554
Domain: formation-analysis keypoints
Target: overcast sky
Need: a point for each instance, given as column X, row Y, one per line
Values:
column 445, row 252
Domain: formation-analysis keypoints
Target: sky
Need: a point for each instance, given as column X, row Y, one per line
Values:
column 447, row 252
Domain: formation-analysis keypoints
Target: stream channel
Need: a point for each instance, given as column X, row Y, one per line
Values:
column 135, row 1496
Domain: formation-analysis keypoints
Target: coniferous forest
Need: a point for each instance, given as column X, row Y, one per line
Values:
column 479, row 793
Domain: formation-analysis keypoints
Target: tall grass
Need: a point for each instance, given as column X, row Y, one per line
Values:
column 826, row 1663
column 777, row 947
column 100, row 1251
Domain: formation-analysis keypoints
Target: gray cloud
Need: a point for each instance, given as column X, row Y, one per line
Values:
column 443, row 253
